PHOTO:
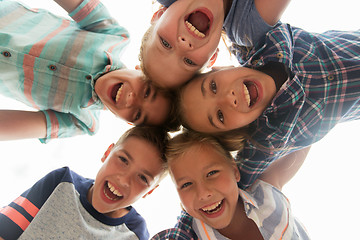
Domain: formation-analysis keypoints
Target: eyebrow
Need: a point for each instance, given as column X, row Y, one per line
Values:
column 202, row 87
column 132, row 159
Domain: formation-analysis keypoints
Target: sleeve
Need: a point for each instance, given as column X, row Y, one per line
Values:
column 243, row 25
column 92, row 15
column 166, row 3
column 62, row 125
column 17, row 216
column 182, row 230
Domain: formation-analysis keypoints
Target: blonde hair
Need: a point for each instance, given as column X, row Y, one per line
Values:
column 179, row 145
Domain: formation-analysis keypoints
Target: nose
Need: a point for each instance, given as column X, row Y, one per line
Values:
column 184, row 43
column 131, row 100
column 230, row 99
column 203, row 192
column 124, row 179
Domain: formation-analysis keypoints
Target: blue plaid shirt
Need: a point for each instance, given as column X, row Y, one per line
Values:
column 323, row 89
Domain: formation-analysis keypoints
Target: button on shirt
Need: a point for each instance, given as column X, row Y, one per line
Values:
column 51, row 63
column 323, row 89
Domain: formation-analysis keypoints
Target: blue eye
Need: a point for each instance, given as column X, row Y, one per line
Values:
column 165, row 43
column 212, row 173
column 185, row 185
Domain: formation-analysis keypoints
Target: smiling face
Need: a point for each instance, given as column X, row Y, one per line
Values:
column 227, row 99
column 125, row 93
column 208, row 189
column 125, row 176
column 183, row 40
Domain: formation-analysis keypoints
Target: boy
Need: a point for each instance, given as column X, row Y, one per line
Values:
column 70, row 71
column 66, row 205
column 291, row 92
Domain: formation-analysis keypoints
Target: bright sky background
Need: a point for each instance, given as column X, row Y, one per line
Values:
column 324, row 193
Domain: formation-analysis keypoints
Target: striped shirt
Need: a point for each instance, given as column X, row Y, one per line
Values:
column 51, row 63
column 56, row 207
column 323, row 89
column 267, row 206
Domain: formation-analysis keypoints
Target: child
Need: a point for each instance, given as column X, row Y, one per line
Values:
column 69, row 70
column 293, row 89
column 184, row 36
column 215, row 207
column 66, row 205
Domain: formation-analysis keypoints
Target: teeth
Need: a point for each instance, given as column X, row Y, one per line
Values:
column 247, row 95
column 211, row 207
column 194, row 30
column 113, row 190
column 118, row 93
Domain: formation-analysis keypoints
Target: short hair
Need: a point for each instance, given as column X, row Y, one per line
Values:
column 155, row 135
column 179, row 144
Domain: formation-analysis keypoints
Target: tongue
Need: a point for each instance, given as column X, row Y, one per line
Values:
column 200, row 21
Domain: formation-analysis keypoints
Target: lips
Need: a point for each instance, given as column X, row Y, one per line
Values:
column 111, row 192
column 251, row 93
column 199, row 22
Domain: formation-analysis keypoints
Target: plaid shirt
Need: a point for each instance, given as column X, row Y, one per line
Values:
column 51, row 63
column 182, row 231
column 323, row 89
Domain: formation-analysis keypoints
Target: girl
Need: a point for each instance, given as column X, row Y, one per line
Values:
column 291, row 92
column 184, row 36
column 215, row 208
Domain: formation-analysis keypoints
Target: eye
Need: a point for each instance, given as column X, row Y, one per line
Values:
column 137, row 117
column 144, row 179
column 212, row 86
column 212, row 173
column 220, row 116
column 165, row 43
column 189, row 62
column 185, row 185
column 147, row 91
column 124, row 160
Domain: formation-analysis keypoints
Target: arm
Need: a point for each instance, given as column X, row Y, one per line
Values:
column 271, row 10
column 68, row 5
column 16, row 124
column 283, row 169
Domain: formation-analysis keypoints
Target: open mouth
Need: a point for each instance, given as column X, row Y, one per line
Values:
column 116, row 92
column 198, row 22
column 213, row 208
column 251, row 93
column 111, row 193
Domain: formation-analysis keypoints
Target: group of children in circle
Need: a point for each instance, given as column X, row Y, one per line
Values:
column 292, row 87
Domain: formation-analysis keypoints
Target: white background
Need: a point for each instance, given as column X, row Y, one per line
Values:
column 324, row 194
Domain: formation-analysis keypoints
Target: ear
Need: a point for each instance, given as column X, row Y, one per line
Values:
column 158, row 14
column 150, row 192
column 106, row 154
column 137, row 67
column 236, row 172
column 213, row 58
